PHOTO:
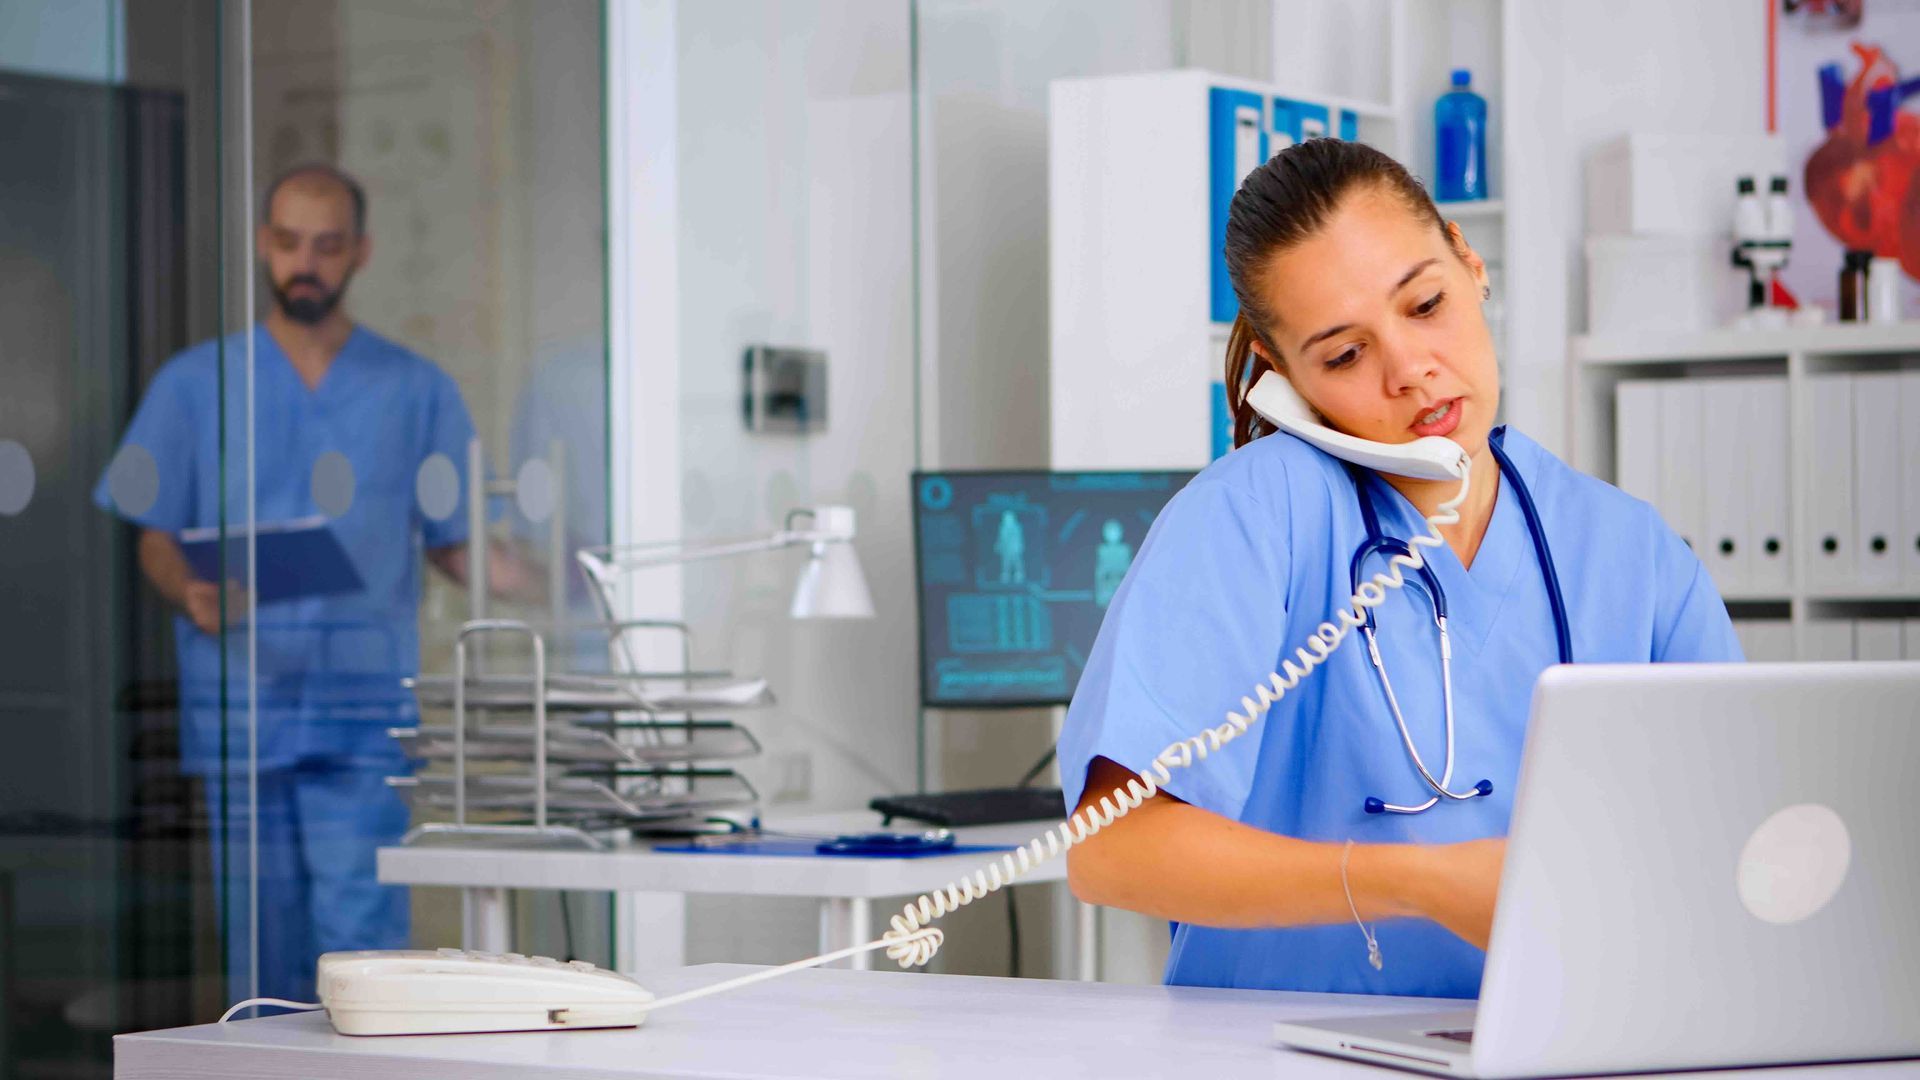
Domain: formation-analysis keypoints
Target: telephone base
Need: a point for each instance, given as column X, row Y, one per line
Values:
column 453, row 991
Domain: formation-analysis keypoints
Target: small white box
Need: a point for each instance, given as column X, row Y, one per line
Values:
column 1678, row 184
column 1637, row 283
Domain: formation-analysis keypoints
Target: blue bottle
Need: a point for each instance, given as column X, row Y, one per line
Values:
column 1460, row 142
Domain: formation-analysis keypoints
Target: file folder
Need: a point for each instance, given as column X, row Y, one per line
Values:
column 1725, row 439
column 1826, row 639
column 1828, row 468
column 1876, row 639
column 1910, row 481
column 1769, row 478
column 1876, row 480
column 293, row 559
column 1681, row 462
column 1636, row 439
column 1765, row 640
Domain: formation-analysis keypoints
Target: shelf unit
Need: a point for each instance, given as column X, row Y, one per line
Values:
column 1798, row 354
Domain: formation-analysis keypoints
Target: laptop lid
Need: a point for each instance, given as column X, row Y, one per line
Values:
column 1709, row 865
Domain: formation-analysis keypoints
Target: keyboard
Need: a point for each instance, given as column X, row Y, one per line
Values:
column 984, row 806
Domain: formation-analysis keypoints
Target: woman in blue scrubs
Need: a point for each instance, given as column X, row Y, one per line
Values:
column 1352, row 286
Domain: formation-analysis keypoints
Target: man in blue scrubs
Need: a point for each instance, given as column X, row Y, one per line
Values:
column 343, row 422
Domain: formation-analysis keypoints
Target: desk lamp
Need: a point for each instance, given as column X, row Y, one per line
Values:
column 831, row 584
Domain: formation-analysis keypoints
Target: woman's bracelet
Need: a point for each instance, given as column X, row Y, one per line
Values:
column 1373, row 943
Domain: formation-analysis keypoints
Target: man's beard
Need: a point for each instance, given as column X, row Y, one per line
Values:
column 309, row 309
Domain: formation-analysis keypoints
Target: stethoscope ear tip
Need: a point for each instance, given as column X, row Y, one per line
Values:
column 1376, row 806
column 1484, row 787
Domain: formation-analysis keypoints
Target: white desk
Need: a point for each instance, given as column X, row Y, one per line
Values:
column 650, row 888
column 845, row 1024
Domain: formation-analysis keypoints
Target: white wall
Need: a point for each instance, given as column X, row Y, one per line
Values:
column 984, row 69
column 794, row 227
column 1578, row 75
column 1337, row 47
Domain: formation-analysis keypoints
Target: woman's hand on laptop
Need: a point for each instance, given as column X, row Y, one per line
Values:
column 1463, row 882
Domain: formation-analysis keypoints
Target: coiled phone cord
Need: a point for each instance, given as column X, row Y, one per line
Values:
column 911, row 941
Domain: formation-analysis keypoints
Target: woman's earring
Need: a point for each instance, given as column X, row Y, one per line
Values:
column 1486, row 292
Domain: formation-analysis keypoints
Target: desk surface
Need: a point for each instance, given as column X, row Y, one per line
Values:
column 640, row 869
column 822, row 1023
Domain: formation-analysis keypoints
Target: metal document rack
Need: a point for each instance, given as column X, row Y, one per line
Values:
column 631, row 751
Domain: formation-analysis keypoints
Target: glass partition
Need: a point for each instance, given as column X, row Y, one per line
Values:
column 428, row 428
column 111, row 189
column 290, row 288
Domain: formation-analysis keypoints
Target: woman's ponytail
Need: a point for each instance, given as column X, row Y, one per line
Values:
column 1244, row 365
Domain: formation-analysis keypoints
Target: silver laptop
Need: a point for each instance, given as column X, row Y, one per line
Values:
column 1709, row 865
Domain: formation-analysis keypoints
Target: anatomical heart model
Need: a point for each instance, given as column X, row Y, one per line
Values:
column 1860, row 180
column 1848, row 116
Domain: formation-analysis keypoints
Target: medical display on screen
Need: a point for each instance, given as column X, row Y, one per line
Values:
column 1015, row 573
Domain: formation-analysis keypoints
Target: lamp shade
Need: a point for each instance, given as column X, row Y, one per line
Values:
column 832, row 585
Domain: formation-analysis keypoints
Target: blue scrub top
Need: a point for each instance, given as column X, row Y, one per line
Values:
column 1241, row 567
column 329, row 667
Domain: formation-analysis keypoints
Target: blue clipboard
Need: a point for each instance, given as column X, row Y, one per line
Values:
column 293, row 559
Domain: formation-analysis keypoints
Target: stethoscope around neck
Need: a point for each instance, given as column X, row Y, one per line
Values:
column 1377, row 543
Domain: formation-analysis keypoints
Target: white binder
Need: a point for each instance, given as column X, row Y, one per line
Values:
column 1910, row 482
column 1636, row 439
column 1912, row 636
column 1829, row 463
column 1770, row 566
column 1765, row 640
column 1876, row 639
column 1681, row 462
column 1876, row 480
column 1725, row 439
column 1826, row 639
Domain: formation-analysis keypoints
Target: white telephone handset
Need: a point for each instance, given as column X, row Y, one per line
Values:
column 448, row 991
column 1430, row 458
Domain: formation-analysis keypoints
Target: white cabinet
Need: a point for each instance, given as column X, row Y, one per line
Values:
column 1826, row 426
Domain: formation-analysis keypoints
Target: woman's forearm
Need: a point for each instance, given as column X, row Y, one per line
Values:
column 1176, row 861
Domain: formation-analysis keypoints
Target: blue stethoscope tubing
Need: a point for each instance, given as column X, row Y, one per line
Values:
column 1379, row 544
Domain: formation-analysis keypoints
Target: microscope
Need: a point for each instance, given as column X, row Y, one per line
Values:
column 1762, row 238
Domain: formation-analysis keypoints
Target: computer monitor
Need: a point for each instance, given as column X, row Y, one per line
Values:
column 1015, row 571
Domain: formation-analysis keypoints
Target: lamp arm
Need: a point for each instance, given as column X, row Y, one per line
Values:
column 674, row 552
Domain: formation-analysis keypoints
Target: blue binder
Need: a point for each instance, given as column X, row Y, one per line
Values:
column 293, row 559
column 794, row 846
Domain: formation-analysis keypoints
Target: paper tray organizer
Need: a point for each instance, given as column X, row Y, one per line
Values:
column 572, row 743
column 616, row 762
column 585, row 801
